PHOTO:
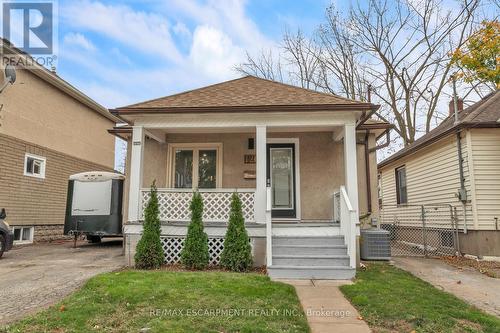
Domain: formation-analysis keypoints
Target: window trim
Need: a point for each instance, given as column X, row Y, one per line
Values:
column 196, row 147
column 41, row 175
column 32, row 232
column 398, row 196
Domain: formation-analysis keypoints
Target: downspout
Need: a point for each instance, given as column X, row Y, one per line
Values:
column 368, row 176
column 462, row 193
column 367, row 162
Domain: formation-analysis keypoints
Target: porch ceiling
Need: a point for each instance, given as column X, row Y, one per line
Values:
column 275, row 129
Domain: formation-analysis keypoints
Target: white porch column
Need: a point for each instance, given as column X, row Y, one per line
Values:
column 260, row 172
column 136, row 161
column 351, row 182
column 350, row 166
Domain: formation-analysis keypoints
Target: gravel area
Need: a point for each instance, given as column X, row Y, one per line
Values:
column 36, row 276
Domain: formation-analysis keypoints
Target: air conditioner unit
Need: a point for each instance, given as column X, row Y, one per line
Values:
column 375, row 244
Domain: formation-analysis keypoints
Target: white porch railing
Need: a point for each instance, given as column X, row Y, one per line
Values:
column 174, row 204
column 269, row 228
column 344, row 212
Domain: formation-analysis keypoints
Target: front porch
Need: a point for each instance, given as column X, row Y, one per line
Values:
column 298, row 212
column 291, row 154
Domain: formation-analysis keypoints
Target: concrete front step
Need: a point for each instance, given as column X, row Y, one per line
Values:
column 311, row 272
column 308, row 240
column 311, row 260
column 309, row 250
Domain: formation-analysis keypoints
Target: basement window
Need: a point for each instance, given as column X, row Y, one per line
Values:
column 34, row 166
column 23, row 235
column 447, row 239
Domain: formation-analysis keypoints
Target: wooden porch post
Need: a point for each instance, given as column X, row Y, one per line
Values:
column 260, row 172
column 136, row 161
column 351, row 182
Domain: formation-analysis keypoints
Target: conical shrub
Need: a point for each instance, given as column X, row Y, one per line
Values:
column 194, row 254
column 149, row 252
column 237, row 253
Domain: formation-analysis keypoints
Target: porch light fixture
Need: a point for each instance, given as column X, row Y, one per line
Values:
column 251, row 143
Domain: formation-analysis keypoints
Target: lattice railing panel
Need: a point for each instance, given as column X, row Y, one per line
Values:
column 172, row 247
column 174, row 205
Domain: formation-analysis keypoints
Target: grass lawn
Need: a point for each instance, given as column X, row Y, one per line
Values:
column 392, row 300
column 163, row 301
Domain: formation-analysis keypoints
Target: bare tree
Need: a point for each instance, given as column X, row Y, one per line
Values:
column 302, row 60
column 407, row 46
column 267, row 65
column 399, row 47
column 297, row 63
column 341, row 68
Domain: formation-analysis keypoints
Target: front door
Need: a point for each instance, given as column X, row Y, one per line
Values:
column 281, row 178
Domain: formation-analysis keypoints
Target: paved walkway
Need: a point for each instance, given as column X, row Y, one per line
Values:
column 468, row 284
column 326, row 308
column 36, row 276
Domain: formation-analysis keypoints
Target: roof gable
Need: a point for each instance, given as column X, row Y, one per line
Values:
column 485, row 113
column 248, row 91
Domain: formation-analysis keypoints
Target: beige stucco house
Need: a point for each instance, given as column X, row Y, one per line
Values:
column 303, row 163
column 430, row 172
column 48, row 131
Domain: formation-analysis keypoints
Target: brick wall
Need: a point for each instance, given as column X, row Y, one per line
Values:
column 32, row 201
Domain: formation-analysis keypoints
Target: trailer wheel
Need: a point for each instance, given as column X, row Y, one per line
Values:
column 2, row 245
column 94, row 239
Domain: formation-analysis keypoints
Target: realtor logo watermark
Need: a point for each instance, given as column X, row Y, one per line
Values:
column 30, row 26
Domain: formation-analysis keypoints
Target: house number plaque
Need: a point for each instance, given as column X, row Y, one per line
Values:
column 249, row 158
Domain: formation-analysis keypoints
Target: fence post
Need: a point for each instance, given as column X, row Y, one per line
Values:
column 455, row 218
column 424, row 231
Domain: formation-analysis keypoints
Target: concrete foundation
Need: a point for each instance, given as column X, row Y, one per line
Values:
column 480, row 243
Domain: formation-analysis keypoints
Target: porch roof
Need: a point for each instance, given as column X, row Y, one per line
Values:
column 246, row 94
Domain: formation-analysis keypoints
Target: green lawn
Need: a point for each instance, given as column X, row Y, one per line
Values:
column 164, row 301
column 392, row 300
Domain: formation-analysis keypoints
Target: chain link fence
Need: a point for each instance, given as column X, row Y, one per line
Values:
column 421, row 230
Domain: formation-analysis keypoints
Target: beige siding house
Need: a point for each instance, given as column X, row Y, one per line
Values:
column 302, row 162
column 432, row 172
column 48, row 131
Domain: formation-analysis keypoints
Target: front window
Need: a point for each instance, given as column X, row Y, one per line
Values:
column 401, row 195
column 207, row 168
column 34, row 166
column 196, row 167
column 183, row 168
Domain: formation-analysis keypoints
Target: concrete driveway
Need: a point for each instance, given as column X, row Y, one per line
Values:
column 36, row 276
column 471, row 286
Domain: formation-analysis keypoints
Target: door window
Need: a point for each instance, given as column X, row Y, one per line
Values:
column 282, row 178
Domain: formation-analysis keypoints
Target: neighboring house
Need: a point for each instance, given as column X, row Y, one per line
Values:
column 427, row 172
column 284, row 149
column 48, row 131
